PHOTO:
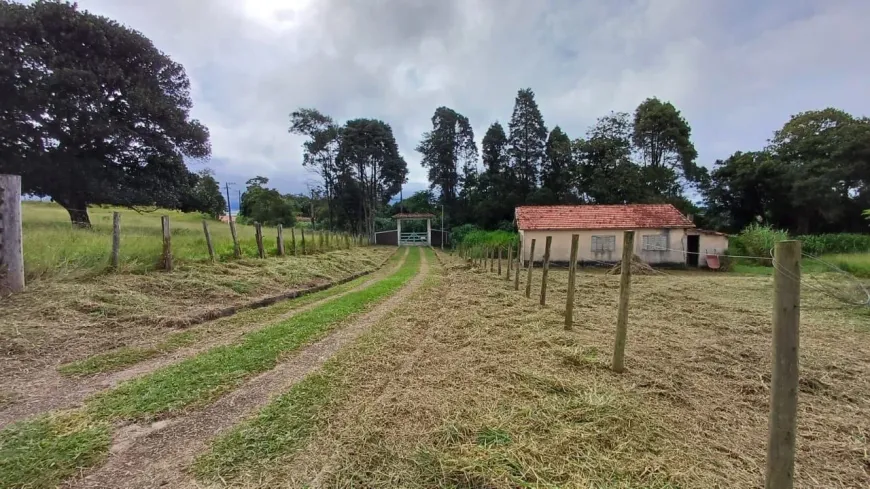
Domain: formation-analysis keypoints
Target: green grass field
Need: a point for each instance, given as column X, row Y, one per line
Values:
column 54, row 248
column 857, row 264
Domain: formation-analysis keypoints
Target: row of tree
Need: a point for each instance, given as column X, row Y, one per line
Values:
column 91, row 112
column 813, row 177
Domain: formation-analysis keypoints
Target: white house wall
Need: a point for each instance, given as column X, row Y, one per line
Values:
column 560, row 250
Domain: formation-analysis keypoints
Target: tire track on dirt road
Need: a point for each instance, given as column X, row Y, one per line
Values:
column 48, row 390
column 158, row 455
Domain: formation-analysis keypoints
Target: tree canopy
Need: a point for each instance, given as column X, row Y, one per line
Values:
column 92, row 112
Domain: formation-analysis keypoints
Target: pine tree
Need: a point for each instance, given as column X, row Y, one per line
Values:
column 557, row 172
column 446, row 149
column 528, row 135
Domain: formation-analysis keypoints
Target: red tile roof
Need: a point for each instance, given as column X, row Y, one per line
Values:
column 634, row 216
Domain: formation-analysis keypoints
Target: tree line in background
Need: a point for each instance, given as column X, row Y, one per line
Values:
column 107, row 121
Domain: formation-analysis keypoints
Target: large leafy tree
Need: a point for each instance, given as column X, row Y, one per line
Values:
column 663, row 138
column 266, row 205
column 606, row 173
column 558, row 169
column 746, row 188
column 449, row 153
column 205, row 195
column 827, row 156
column 527, row 139
column 371, row 165
column 320, row 150
column 495, row 197
column 91, row 112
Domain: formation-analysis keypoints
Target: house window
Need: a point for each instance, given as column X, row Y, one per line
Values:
column 603, row 243
column 655, row 242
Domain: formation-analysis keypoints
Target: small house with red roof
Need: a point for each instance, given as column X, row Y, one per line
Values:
column 663, row 235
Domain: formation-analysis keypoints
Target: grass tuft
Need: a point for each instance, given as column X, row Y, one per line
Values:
column 45, row 451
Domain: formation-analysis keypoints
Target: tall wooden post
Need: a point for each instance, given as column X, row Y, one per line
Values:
column 499, row 261
column 167, row 244
column 624, row 292
column 280, row 240
column 302, row 230
column 510, row 257
column 116, row 240
column 11, row 237
column 530, row 266
column 261, row 250
column 546, row 270
column 517, row 271
column 208, row 242
column 293, row 240
column 784, row 379
column 491, row 253
column 237, row 250
column 572, row 271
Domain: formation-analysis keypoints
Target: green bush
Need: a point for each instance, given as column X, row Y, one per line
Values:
column 820, row 244
column 757, row 241
column 458, row 234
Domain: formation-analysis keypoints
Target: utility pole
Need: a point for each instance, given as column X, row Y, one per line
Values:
column 229, row 207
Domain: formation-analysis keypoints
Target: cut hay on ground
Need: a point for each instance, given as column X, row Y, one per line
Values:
column 638, row 267
column 475, row 386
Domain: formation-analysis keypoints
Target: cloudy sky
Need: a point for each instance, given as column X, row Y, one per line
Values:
column 737, row 69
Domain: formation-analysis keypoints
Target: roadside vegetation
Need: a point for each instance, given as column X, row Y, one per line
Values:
column 55, row 446
column 55, row 250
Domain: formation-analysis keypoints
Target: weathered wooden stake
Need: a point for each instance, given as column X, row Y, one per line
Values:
column 546, row 270
column 237, row 250
column 258, row 229
column 11, row 237
column 167, row 244
column 572, row 271
column 499, row 261
column 510, row 257
column 116, row 240
column 293, row 239
column 491, row 254
column 303, row 240
column 517, row 271
column 624, row 292
column 208, row 242
column 280, row 240
column 531, row 264
column 784, row 379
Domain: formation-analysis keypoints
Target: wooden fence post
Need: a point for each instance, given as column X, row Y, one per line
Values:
column 517, row 271
column 510, row 257
column 167, row 244
column 491, row 260
column 546, row 270
column 258, row 230
column 11, row 237
column 499, row 261
column 302, row 230
column 280, row 240
column 208, row 242
column 624, row 292
column 572, row 271
column 530, row 266
column 237, row 249
column 293, row 239
column 784, row 379
column 116, row 240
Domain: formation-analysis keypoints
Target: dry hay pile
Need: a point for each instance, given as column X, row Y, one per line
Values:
column 638, row 267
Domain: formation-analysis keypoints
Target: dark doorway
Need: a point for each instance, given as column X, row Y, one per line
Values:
column 693, row 243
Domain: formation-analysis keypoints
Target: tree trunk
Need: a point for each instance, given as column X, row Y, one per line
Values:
column 78, row 213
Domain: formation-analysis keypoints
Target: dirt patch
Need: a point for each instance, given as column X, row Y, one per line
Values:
column 159, row 456
column 46, row 389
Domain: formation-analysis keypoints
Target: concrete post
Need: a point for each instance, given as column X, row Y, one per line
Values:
column 11, row 237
